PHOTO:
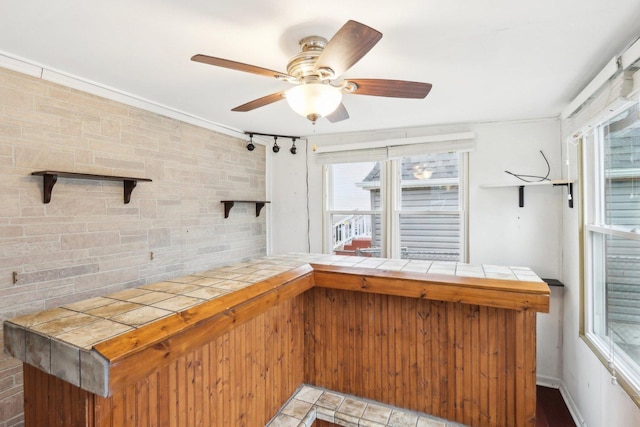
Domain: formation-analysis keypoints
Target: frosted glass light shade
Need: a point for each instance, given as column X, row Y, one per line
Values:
column 314, row 100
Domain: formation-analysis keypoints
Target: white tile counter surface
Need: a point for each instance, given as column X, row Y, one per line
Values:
column 60, row 341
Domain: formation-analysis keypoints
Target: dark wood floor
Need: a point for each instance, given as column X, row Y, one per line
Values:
column 551, row 411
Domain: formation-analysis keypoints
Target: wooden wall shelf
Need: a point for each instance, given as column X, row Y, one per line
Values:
column 228, row 204
column 51, row 177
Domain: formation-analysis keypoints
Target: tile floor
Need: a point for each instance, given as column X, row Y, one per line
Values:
column 310, row 403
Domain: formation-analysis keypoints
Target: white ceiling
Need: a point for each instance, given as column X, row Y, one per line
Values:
column 488, row 60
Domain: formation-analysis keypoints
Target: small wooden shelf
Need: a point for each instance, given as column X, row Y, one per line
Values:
column 228, row 204
column 50, row 178
column 554, row 282
column 555, row 183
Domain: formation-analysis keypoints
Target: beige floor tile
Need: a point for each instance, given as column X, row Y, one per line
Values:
column 297, row 408
column 352, row 407
column 377, row 413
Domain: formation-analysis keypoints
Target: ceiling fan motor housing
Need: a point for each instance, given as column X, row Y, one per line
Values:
column 302, row 65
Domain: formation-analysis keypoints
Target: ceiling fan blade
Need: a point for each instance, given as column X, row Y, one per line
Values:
column 347, row 47
column 239, row 66
column 339, row 114
column 391, row 88
column 260, row 102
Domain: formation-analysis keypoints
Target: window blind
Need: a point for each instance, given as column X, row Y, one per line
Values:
column 391, row 149
column 459, row 146
column 352, row 156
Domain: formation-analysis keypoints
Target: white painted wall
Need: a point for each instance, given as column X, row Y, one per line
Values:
column 288, row 217
column 499, row 231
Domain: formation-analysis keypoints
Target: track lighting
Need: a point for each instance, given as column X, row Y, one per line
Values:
column 250, row 145
column 276, row 147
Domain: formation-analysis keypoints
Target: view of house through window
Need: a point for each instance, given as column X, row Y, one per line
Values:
column 352, row 210
column 430, row 209
column 613, row 242
column 404, row 208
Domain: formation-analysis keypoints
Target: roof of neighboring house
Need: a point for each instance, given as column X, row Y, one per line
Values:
column 442, row 166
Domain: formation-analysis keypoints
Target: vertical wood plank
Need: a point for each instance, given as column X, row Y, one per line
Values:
column 502, row 372
column 142, row 403
column 423, row 360
column 102, row 413
column 520, row 369
column 411, row 332
column 483, row 384
column 367, row 322
column 458, row 341
column 466, row 363
column 206, row 385
column 164, row 403
column 526, row 339
column 130, row 405
column 476, row 363
column 381, row 334
column 509, row 367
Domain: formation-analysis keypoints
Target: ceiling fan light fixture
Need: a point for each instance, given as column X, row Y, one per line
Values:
column 314, row 100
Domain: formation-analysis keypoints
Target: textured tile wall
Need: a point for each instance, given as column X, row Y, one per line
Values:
column 87, row 242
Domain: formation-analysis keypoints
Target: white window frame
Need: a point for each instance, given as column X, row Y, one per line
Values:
column 391, row 194
column 622, row 367
column 327, row 237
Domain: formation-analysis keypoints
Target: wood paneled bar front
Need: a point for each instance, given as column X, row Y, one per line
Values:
column 459, row 348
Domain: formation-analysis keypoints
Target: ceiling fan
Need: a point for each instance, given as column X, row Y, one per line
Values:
column 316, row 72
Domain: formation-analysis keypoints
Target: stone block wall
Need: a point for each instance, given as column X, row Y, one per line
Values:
column 86, row 241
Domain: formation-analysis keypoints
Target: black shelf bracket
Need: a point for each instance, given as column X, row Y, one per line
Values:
column 569, row 186
column 521, row 196
column 228, row 204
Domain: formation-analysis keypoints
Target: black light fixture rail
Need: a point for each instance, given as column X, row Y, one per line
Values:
column 276, row 147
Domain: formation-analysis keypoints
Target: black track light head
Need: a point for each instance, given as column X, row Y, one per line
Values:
column 250, row 145
column 293, row 148
column 276, row 147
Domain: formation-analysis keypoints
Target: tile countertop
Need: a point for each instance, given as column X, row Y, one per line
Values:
column 60, row 341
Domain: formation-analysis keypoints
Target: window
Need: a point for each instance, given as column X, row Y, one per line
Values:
column 409, row 207
column 355, row 214
column 612, row 244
